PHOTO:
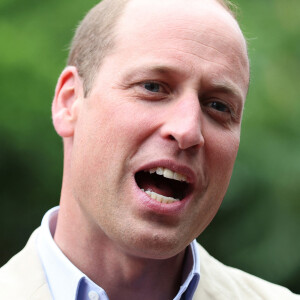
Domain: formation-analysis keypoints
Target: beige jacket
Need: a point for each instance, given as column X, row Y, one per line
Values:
column 23, row 278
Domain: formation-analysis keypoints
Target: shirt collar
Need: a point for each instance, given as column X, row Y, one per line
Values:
column 68, row 282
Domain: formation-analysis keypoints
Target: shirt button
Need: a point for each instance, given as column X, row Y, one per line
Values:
column 93, row 295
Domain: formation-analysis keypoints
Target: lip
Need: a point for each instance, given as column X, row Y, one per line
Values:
column 175, row 208
column 173, row 166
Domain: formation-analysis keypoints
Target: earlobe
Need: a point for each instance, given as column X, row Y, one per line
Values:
column 68, row 93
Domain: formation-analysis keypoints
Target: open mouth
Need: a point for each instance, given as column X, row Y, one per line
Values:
column 163, row 185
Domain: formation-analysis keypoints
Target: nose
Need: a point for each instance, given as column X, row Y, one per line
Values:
column 184, row 123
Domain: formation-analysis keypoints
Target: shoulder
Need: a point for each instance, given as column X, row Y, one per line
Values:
column 22, row 277
column 218, row 281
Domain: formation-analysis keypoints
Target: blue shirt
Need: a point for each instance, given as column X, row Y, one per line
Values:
column 66, row 282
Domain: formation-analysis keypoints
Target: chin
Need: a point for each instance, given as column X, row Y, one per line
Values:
column 155, row 245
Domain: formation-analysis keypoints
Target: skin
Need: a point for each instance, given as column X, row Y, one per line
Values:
column 171, row 93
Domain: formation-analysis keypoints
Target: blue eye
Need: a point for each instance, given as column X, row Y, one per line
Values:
column 152, row 87
column 219, row 106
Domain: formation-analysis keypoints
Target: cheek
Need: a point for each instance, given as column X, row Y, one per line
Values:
column 130, row 126
column 106, row 137
column 221, row 150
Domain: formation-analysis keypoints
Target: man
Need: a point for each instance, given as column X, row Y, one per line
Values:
column 149, row 109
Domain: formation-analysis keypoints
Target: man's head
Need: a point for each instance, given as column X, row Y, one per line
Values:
column 149, row 151
column 95, row 37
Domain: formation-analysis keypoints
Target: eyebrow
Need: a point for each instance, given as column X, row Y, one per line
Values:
column 221, row 85
column 227, row 87
column 156, row 70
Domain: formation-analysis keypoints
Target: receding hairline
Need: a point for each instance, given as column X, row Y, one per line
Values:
column 96, row 34
column 94, row 38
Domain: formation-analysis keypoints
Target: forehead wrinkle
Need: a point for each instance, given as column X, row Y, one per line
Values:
column 241, row 60
column 222, row 40
column 197, row 53
column 204, row 28
column 177, row 25
column 207, row 45
column 198, row 56
column 204, row 24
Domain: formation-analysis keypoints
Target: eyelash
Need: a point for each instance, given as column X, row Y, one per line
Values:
column 219, row 106
column 151, row 84
column 142, row 91
column 224, row 116
column 162, row 87
column 224, row 113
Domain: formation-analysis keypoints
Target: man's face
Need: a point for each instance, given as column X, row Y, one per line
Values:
column 168, row 100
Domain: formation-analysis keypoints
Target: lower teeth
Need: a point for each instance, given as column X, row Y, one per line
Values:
column 160, row 198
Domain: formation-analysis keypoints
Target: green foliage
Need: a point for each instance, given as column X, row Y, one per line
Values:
column 257, row 227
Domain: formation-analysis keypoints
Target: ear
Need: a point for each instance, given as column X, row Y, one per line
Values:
column 66, row 102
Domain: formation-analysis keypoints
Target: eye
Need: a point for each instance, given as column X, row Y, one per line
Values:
column 152, row 90
column 153, row 87
column 220, row 111
column 219, row 106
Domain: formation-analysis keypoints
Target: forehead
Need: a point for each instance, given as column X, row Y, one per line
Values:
column 203, row 20
column 193, row 31
column 175, row 13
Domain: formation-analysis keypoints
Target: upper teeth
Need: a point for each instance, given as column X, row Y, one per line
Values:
column 167, row 173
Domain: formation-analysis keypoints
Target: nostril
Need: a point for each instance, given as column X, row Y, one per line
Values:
column 185, row 142
column 186, row 133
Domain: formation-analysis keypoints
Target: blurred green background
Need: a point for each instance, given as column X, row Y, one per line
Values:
column 257, row 227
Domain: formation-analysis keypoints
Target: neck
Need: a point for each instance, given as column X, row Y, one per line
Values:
column 136, row 278
column 121, row 275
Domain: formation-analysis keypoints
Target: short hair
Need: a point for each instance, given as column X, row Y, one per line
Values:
column 95, row 37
